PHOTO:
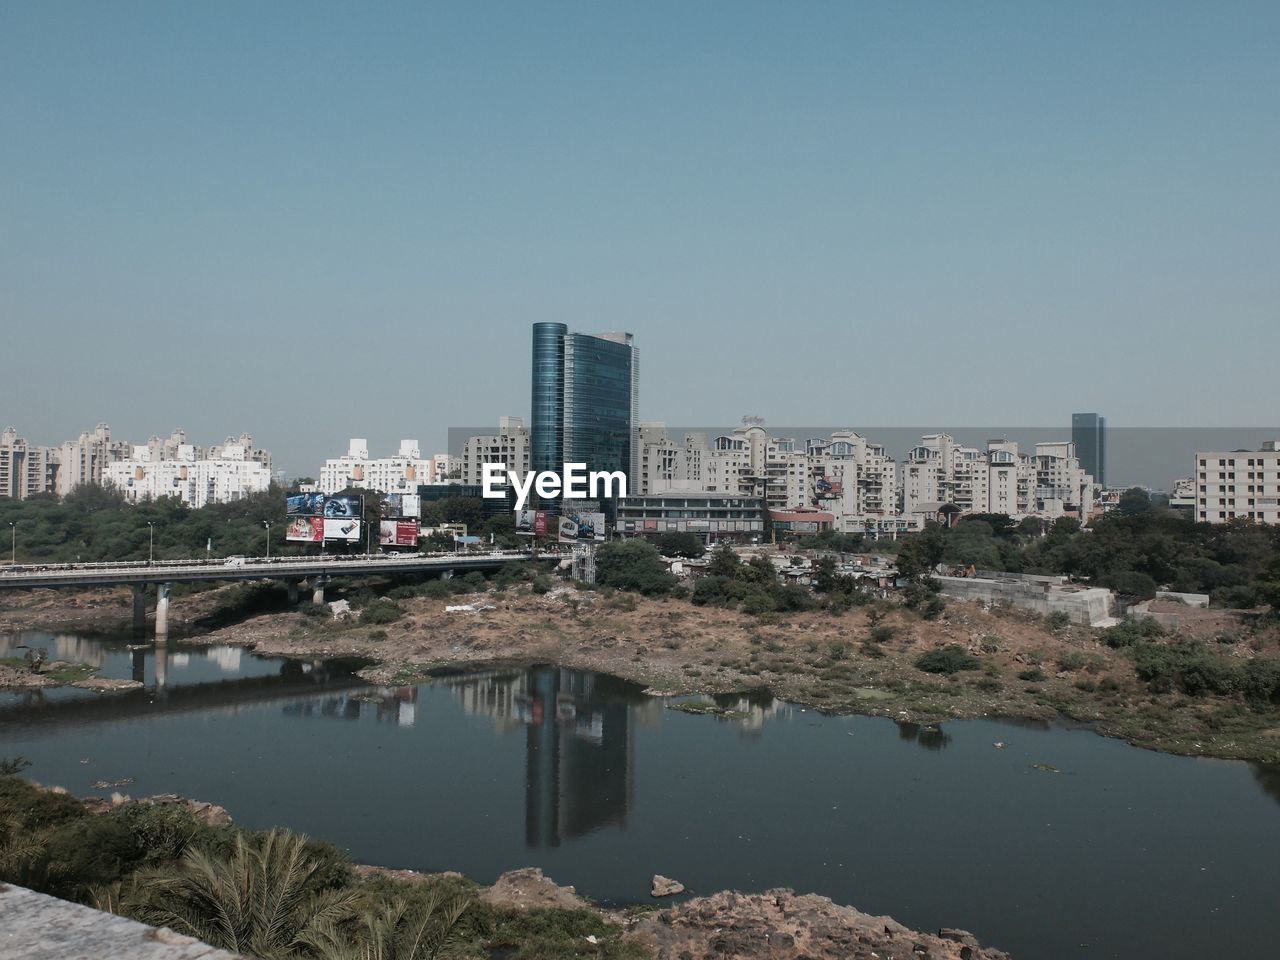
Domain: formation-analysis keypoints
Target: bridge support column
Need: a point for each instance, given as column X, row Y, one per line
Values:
column 317, row 589
column 293, row 592
column 162, row 612
column 139, row 608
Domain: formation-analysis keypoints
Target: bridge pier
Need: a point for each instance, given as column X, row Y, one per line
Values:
column 139, row 608
column 317, row 589
column 162, row 612
column 293, row 592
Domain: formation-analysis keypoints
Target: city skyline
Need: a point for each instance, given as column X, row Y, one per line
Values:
column 895, row 211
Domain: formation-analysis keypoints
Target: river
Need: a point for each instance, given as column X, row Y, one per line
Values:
column 1059, row 844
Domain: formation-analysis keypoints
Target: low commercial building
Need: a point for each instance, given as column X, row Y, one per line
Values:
column 712, row 516
column 1239, row 484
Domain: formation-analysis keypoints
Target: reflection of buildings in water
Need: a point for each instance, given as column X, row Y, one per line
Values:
column 226, row 658
column 61, row 646
column 931, row 736
column 579, row 743
column 757, row 705
column 397, row 705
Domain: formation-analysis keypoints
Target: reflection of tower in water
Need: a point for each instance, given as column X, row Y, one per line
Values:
column 579, row 751
column 579, row 742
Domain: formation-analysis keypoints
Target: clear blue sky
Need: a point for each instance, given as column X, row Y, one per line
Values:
column 315, row 220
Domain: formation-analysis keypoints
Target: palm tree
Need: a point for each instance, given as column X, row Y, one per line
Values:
column 266, row 899
column 397, row 930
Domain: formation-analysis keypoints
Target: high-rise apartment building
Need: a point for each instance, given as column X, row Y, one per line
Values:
column 508, row 447
column 585, row 400
column 25, row 470
column 1238, row 484
column 1089, row 434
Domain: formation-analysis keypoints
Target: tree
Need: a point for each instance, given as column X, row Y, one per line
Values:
column 678, row 544
column 724, row 562
column 1134, row 501
column 268, row 898
column 633, row 564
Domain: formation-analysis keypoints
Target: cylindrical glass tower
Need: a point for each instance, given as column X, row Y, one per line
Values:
column 546, row 411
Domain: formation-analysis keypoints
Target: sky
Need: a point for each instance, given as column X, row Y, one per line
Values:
column 312, row 221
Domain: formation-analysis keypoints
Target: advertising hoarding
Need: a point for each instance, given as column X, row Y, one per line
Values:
column 341, row 529
column 391, row 506
column 304, row 505
column 411, row 506
column 343, row 507
column 587, row 525
column 568, row 531
column 398, row 533
column 531, row 523
column 304, row 529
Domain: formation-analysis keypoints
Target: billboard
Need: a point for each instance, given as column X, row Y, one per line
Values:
column 398, row 533
column 400, row 506
column 304, row 505
column 531, row 523
column 348, row 507
column 341, row 529
column 304, row 529
column 568, row 530
column 586, row 525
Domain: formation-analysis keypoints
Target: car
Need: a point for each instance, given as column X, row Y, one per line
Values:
column 235, row 561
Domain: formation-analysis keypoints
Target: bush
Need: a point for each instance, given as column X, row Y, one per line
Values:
column 950, row 659
column 1058, row 620
column 1129, row 632
column 1034, row 675
column 437, row 589
column 1186, row 666
column 540, row 584
column 882, row 633
column 381, row 610
column 1131, row 582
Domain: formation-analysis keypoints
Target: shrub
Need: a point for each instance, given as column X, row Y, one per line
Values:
column 1186, row 666
column 1058, row 620
column 990, row 644
column 381, row 610
column 882, row 633
column 436, row 589
column 1131, row 631
column 540, row 584
column 950, row 659
column 1034, row 675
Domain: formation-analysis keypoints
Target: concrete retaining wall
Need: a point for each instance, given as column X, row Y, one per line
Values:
column 1043, row 595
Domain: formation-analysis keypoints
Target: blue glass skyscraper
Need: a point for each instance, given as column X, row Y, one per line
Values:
column 585, row 400
column 1089, row 434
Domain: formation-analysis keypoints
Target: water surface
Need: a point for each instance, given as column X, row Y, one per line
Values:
column 1121, row 853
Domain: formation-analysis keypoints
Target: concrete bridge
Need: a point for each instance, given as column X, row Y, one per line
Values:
column 317, row 571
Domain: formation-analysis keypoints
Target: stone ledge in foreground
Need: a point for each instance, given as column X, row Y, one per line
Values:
column 34, row 926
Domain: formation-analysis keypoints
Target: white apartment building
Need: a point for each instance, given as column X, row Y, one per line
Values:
column 509, row 447
column 190, row 474
column 1049, row 483
column 939, row 470
column 400, row 473
column 25, row 471
column 856, row 481
column 85, row 459
column 1239, row 484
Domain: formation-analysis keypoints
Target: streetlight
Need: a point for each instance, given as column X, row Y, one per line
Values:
column 267, row 524
column 151, row 545
column 13, row 543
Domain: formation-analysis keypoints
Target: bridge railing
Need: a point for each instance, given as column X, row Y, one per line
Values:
column 408, row 559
